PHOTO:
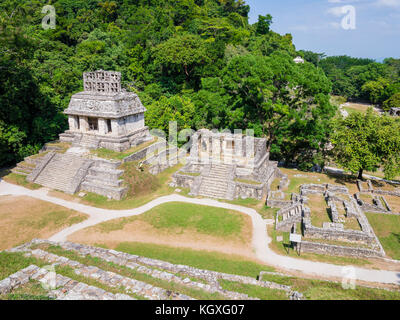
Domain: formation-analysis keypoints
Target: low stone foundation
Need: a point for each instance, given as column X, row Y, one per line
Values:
column 332, row 250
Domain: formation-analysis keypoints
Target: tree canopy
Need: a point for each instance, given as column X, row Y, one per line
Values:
column 367, row 143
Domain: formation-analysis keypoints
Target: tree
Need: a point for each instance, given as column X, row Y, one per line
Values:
column 312, row 57
column 263, row 24
column 392, row 102
column 282, row 101
column 376, row 91
column 183, row 53
column 367, row 142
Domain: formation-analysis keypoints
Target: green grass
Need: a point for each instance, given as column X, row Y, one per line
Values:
column 70, row 273
column 30, row 291
column 55, row 218
column 12, row 262
column 387, row 228
column 20, row 179
column 130, row 273
column 326, row 290
column 176, row 217
column 114, row 155
column 258, row 205
column 254, row 291
column 214, row 261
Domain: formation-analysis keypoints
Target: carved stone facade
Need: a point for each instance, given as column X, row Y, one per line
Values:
column 227, row 166
column 104, row 115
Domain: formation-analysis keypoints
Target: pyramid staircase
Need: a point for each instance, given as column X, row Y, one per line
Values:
column 63, row 172
column 215, row 183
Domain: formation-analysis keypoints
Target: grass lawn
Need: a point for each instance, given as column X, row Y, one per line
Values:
column 258, row 205
column 33, row 290
column 387, row 228
column 23, row 219
column 319, row 212
column 178, row 225
column 114, row 155
column 214, row 261
column 357, row 107
column 10, row 263
column 297, row 178
column 326, row 290
column 175, row 217
column 254, row 291
column 20, row 179
column 394, row 203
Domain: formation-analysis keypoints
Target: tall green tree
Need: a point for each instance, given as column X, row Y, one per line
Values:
column 282, row 101
column 367, row 142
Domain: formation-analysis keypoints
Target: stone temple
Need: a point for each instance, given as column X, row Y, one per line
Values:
column 104, row 115
column 227, row 166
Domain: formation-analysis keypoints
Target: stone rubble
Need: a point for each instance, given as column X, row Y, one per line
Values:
column 110, row 278
column 64, row 288
column 180, row 274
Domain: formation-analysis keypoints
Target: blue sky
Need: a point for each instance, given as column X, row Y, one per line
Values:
column 316, row 25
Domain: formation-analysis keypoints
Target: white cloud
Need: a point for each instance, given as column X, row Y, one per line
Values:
column 336, row 11
column 388, row 3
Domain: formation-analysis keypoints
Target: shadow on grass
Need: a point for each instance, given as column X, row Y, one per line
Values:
column 4, row 172
column 342, row 179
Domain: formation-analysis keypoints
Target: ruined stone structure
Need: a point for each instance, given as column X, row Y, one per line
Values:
column 63, row 288
column 227, row 166
column 104, row 115
column 333, row 238
column 379, row 203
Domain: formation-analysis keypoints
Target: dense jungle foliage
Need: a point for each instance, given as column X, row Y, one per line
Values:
column 197, row 62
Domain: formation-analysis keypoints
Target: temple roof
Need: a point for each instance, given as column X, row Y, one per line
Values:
column 104, row 98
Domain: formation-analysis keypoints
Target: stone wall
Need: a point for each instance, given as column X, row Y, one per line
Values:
column 245, row 191
column 332, row 250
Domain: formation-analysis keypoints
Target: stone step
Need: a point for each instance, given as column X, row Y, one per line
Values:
column 213, row 188
column 146, row 266
column 111, row 192
column 100, row 181
column 57, row 286
column 22, row 173
column 212, row 179
column 105, row 173
column 169, row 272
column 110, row 279
column 60, row 172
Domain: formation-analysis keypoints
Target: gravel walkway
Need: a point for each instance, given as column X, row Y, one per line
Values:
column 260, row 240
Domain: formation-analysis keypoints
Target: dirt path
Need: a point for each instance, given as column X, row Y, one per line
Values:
column 260, row 239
